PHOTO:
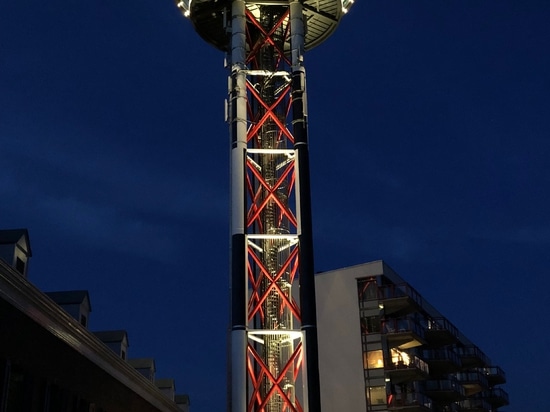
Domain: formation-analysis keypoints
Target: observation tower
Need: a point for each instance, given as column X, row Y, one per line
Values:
column 273, row 344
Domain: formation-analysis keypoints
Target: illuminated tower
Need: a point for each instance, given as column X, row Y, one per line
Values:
column 273, row 365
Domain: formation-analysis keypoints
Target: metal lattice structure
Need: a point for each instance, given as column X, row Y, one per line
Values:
column 273, row 331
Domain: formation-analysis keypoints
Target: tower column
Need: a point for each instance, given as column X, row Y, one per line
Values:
column 312, row 398
column 238, row 128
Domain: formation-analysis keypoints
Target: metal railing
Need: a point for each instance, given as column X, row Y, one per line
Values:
column 472, row 377
column 445, row 385
column 475, row 405
column 402, row 325
column 495, row 372
column 473, row 351
column 401, row 400
column 400, row 290
column 442, row 323
column 414, row 362
column 442, row 354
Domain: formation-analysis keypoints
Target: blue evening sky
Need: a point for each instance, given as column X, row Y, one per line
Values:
column 430, row 140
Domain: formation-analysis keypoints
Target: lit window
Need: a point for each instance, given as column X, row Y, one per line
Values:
column 400, row 358
column 376, row 395
column 373, row 359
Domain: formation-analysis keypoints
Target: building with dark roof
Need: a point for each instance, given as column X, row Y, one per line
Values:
column 15, row 249
column 75, row 302
column 50, row 361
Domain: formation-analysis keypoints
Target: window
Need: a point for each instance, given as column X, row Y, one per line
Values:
column 83, row 320
column 20, row 265
column 370, row 324
column 373, row 359
column 376, row 395
column 368, row 290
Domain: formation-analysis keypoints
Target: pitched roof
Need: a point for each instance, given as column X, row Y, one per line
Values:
column 112, row 335
column 68, row 297
column 10, row 236
column 183, row 400
column 140, row 363
column 165, row 383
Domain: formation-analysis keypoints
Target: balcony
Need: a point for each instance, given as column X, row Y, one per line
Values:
column 400, row 299
column 475, row 405
column 409, row 402
column 403, row 333
column 450, row 407
column 412, row 369
column 445, row 390
column 473, row 382
column 495, row 375
column 472, row 357
column 442, row 361
column 441, row 332
column 497, row 397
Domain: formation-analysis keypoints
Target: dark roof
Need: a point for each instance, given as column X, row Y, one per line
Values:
column 111, row 335
column 11, row 236
column 183, row 400
column 140, row 363
column 165, row 383
column 68, row 297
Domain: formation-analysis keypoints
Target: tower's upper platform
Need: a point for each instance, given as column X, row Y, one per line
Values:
column 210, row 18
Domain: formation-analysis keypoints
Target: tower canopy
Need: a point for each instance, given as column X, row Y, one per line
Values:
column 210, row 18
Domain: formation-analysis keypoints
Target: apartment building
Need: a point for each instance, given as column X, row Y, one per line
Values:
column 383, row 347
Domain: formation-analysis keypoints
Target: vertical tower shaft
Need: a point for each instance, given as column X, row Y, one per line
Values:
column 273, row 364
column 271, row 219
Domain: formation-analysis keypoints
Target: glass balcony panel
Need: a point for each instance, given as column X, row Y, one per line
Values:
column 440, row 332
column 445, row 390
column 497, row 397
column 404, row 367
column 400, row 298
column 472, row 381
column 472, row 356
column 495, row 375
column 412, row 402
column 442, row 361
column 475, row 405
column 403, row 333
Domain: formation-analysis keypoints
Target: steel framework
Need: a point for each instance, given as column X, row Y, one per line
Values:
column 273, row 361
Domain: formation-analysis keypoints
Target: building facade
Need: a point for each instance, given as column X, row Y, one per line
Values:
column 383, row 347
column 51, row 362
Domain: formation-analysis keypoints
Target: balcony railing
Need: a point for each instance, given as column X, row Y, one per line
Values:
column 452, row 407
column 411, row 402
column 444, row 354
column 412, row 370
column 472, row 381
column 403, row 333
column 472, row 356
column 448, row 390
column 497, row 397
column 495, row 375
column 441, row 332
column 442, row 361
column 400, row 298
column 402, row 325
column 475, row 405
